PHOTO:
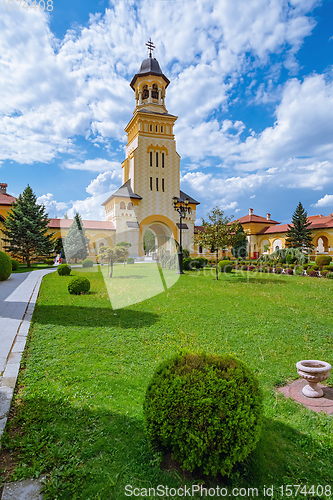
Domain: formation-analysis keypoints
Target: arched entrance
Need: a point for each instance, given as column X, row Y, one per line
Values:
column 321, row 244
column 158, row 241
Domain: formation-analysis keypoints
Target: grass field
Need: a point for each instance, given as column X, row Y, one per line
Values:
column 77, row 415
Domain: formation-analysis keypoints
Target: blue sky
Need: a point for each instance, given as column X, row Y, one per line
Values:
column 251, row 84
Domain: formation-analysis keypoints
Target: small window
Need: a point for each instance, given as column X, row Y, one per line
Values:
column 130, row 206
column 156, row 159
column 151, row 128
column 163, row 185
column 145, row 93
column 156, row 128
column 122, row 205
column 151, row 158
column 151, row 183
column 154, row 92
column 200, row 249
column 156, row 183
column 162, row 129
column 162, row 160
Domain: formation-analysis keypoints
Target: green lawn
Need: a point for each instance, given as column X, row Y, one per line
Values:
column 78, row 411
column 34, row 267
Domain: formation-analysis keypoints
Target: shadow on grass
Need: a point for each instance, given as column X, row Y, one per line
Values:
column 95, row 453
column 69, row 315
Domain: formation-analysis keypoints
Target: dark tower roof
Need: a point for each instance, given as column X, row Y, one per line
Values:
column 149, row 66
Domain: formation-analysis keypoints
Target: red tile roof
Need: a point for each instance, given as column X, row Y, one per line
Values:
column 6, row 199
column 317, row 222
column 256, row 218
column 87, row 224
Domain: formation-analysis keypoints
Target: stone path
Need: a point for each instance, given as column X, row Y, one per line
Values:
column 18, row 297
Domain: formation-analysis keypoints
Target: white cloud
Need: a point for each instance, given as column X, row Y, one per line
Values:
column 79, row 86
column 104, row 183
column 326, row 201
column 97, row 165
column 52, row 206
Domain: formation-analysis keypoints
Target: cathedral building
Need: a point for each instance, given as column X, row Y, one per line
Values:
column 151, row 170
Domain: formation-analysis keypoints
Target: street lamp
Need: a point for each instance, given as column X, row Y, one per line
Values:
column 182, row 210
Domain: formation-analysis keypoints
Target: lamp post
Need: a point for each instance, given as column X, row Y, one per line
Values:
column 182, row 210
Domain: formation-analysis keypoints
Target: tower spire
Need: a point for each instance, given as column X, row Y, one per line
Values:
column 151, row 47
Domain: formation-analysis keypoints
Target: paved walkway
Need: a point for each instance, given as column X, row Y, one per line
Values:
column 18, row 297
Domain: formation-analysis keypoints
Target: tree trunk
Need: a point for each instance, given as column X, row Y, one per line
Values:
column 28, row 261
column 217, row 264
column 111, row 269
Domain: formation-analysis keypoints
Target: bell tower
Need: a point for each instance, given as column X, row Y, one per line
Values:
column 151, row 169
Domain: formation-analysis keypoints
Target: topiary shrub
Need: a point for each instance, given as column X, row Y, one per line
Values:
column 288, row 271
column 15, row 265
column 329, row 275
column 205, row 409
column 5, row 266
column 323, row 273
column 313, row 274
column 299, row 271
column 87, row 263
column 225, row 266
column 323, row 260
column 305, row 266
column 78, row 285
column 130, row 260
column 278, row 270
column 327, row 268
column 186, row 264
column 64, row 270
column 315, row 268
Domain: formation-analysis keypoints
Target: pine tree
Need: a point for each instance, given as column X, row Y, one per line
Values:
column 240, row 248
column 76, row 241
column 26, row 229
column 298, row 234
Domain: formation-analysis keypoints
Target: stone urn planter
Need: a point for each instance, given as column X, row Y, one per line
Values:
column 313, row 371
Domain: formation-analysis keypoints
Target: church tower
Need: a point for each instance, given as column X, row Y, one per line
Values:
column 151, row 170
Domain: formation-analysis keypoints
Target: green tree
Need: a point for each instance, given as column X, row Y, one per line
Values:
column 112, row 255
column 76, row 242
column 124, row 244
column 298, row 234
column 26, row 229
column 219, row 233
column 240, row 248
column 149, row 241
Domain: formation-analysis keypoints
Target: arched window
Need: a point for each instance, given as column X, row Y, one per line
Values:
column 154, row 92
column 130, row 206
column 122, row 205
column 145, row 93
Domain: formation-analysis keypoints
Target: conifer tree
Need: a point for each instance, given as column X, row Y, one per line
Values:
column 299, row 235
column 76, row 241
column 26, row 229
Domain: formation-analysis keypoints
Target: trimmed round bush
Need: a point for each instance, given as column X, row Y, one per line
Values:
column 78, row 285
column 329, row 275
column 15, row 265
column 327, row 268
column 278, row 270
column 288, row 271
column 323, row 273
column 225, row 266
column 5, row 266
column 87, row 263
column 130, row 260
column 314, row 268
column 323, row 260
column 299, row 271
column 64, row 270
column 205, row 409
column 313, row 273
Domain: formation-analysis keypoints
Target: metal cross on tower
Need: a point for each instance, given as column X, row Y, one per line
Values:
column 151, row 47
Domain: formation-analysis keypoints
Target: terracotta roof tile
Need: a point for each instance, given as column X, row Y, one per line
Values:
column 87, row 224
column 6, row 199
